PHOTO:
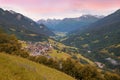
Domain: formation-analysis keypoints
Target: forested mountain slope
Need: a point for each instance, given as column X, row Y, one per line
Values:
column 100, row 41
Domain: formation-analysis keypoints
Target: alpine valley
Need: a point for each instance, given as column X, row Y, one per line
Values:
column 81, row 48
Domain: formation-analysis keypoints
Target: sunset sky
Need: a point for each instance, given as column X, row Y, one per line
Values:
column 43, row 9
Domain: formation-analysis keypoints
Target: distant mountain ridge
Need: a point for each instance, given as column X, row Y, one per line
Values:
column 50, row 23
column 69, row 24
column 13, row 22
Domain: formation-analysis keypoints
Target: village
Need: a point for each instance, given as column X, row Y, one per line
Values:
column 37, row 48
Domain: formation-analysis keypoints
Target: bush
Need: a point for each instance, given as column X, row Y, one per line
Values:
column 10, row 44
column 111, row 76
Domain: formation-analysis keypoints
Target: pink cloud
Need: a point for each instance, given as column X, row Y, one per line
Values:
column 61, row 6
column 45, row 6
column 96, row 4
column 42, row 6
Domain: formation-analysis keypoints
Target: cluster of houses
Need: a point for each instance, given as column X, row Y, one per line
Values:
column 112, row 61
column 38, row 48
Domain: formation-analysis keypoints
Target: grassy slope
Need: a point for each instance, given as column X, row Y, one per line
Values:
column 79, row 56
column 16, row 68
column 60, row 55
column 64, row 55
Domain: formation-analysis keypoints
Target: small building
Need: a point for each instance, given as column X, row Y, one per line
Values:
column 100, row 65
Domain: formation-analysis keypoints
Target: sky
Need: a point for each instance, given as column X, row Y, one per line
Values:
column 59, row 9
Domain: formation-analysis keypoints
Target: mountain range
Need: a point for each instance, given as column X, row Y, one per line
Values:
column 70, row 24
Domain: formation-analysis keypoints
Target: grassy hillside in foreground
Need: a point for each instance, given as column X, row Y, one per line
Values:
column 16, row 68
